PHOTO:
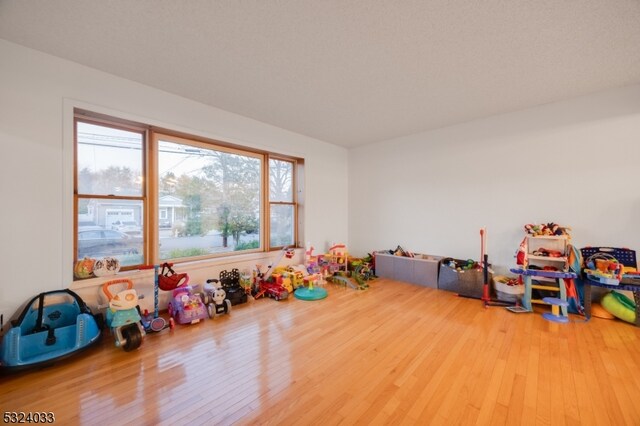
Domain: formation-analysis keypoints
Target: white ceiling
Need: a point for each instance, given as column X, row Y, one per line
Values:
column 349, row 72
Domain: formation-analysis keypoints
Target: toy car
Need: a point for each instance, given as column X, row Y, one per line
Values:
column 216, row 299
column 265, row 284
column 270, row 289
column 187, row 307
column 51, row 326
column 230, row 282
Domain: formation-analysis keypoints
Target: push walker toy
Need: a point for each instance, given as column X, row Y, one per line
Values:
column 123, row 315
column 230, row 282
column 186, row 306
column 215, row 297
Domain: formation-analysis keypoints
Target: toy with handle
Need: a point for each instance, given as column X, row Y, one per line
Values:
column 484, row 257
column 483, row 246
column 215, row 297
column 155, row 323
column 286, row 251
column 484, row 262
column 262, row 285
column 123, row 314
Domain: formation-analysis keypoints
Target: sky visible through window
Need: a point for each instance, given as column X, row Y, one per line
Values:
column 97, row 143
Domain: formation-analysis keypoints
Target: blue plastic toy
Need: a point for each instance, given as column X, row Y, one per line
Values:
column 51, row 326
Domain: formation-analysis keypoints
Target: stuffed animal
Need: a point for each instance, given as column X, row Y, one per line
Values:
column 106, row 266
column 533, row 229
column 546, row 229
column 556, row 229
column 84, row 268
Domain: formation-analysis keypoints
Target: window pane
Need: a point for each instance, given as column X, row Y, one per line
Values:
column 109, row 161
column 280, row 179
column 282, row 233
column 111, row 227
column 209, row 201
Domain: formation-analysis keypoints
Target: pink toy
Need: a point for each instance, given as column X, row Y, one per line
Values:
column 187, row 307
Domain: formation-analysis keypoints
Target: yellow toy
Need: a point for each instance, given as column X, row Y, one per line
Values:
column 284, row 280
column 297, row 277
column 337, row 258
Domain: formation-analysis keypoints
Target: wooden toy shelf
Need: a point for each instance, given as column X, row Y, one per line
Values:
column 562, row 259
column 556, row 243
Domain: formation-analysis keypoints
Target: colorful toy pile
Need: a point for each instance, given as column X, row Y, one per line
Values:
column 39, row 337
column 546, row 229
column 603, row 268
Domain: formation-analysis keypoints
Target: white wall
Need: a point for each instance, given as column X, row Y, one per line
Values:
column 37, row 96
column 575, row 163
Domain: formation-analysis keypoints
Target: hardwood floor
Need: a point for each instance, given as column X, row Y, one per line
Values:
column 394, row 354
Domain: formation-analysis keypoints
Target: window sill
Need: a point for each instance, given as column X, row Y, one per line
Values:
column 196, row 267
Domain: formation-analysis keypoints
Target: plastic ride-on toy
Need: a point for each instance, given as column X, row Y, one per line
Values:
column 52, row 325
column 270, row 289
column 186, row 306
column 123, row 315
column 215, row 297
column 266, row 285
column 230, row 282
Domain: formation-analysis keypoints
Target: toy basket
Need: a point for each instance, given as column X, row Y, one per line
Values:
column 507, row 289
column 468, row 282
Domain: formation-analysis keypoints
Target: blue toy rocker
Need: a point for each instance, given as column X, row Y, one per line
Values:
column 51, row 326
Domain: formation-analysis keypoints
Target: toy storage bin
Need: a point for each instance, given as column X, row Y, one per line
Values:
column 421, row 269
column 383, row 264
column 466, row 282
column 507, row 293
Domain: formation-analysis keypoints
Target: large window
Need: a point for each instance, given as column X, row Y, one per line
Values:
column 212, row 197
column 146, row 196
column 110, row 193
column 282, row 211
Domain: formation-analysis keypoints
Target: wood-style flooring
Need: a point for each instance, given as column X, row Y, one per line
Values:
column 393, row 354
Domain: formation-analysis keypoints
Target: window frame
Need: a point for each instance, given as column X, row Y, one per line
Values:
column 151, row 135
column 155, row 136
column 293, row 202
column 77, row 196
